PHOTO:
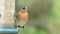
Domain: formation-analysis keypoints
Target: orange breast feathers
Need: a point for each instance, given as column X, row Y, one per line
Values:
column 22, row 17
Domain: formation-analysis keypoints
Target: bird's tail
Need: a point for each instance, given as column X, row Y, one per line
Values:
column 19, row 29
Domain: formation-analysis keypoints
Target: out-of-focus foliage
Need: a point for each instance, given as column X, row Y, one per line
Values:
column 44, row 16
column 33, row 30
column 38, row 12
column 37, row 9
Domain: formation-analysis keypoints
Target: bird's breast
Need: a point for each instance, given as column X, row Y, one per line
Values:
column 23, row 16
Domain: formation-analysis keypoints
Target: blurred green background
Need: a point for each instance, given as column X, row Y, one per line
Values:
column 44, row 16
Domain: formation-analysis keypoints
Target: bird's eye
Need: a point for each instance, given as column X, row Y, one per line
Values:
column 23, row 8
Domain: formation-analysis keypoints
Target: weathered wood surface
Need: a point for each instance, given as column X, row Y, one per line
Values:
column 7, row 8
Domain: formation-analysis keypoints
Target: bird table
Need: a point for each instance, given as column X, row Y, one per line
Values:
column 7, row 9
column 8, row 31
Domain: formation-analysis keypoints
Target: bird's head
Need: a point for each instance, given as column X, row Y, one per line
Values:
column 24, row 8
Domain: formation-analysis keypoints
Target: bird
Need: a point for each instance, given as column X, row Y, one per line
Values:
column 21, row 18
